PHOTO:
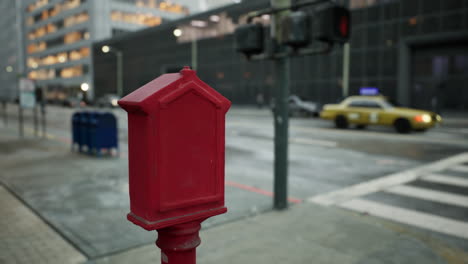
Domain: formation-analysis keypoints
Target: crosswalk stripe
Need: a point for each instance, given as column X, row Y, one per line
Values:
column 309, row 141
column 445, row 179
column 410, row 217
column 460, row 168
column 431, row 195
column 379, row 184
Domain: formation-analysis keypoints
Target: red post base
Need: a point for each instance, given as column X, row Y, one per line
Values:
column 178, row 243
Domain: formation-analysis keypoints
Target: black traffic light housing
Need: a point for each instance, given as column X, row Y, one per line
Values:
column 332, row 24
column 249, row 39
column 295, row 30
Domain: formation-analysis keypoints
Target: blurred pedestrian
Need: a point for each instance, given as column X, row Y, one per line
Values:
column 260, row 100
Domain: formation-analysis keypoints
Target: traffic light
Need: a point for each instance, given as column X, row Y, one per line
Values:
column 249, row 39
column 332, row 24
column 295, row 30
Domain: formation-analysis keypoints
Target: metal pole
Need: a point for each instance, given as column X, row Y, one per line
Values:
column 44, row 122
column 178, row 243
column 194, row 53
column 281, row 117
column 20, row 121
column 5, row 114
column 346, row 61
column 35, row 121
column 119, row 73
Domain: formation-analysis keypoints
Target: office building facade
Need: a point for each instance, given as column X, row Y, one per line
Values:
column 11, row 63
column 58, row 35
column 413, row 51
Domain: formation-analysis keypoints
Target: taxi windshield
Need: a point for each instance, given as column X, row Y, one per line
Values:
column 386, row 104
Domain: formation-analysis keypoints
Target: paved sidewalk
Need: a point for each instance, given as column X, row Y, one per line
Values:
column 309, row 233
column 25, row 238
column 305, row 233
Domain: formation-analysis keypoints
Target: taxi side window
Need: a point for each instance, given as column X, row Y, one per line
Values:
column 373, row 105
column 357, row 104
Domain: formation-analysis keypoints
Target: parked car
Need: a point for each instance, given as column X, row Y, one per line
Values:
column 108, row 100
column 377, row 110
column 297, row 106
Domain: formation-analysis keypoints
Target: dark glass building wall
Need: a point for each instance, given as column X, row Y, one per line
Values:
column 378, row 31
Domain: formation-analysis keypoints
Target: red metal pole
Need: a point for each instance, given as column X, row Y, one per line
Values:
column 178, row 243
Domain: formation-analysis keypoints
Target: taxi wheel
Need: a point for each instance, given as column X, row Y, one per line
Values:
column 361, row 126
column 402, row 126
column 341, row 122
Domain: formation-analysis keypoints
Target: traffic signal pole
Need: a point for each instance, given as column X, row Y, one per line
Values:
column 332, row 27
column 281, row 111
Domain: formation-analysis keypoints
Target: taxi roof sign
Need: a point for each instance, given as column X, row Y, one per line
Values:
column 369, row 91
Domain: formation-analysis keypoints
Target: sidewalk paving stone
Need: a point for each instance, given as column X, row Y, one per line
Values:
column 25, row 238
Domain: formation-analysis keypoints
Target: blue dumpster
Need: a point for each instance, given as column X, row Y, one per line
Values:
column 90, row 131
column 76, row 130
column 83, row 134
column 105, row 133
column 94, row 131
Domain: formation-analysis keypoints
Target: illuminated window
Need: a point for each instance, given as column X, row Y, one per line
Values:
column 33, row 62
column 71, row 72
column 73, row 37
column 136, row 18
column 36, row 5
column 76, row 19
column 51, row 12
column 42, row 74
column 166, row 6
column 36, row 47
column 53, row 27
column 48, row 60
column 61, row 57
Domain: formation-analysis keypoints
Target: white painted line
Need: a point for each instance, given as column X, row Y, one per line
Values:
column 460, row 168
column 364, row 188
column 430, row 195
column 361, row 189
column 445, row 179
column 317, row 142
column 410, row 217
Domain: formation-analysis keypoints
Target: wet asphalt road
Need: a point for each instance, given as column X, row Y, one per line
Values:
column 321, row 159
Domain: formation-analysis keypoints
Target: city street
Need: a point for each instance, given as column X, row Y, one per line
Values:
column 417, row 181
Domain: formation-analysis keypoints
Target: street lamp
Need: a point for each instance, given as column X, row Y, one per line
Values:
column 84, row 87
column 177, row 33
column 105, row 49
column 119, row 55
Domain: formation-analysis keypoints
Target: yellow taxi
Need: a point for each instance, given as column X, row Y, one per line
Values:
column 376, row 110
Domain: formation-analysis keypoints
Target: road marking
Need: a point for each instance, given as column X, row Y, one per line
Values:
column 445, row 179
column 410, row 217
column 258, row 190
column 294, row 140
column 359, row 133
column 361, row 189
column 460, row 168
column 430, row 195
column 317, row 142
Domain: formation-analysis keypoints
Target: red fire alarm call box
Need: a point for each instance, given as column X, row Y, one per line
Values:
column 176, row 150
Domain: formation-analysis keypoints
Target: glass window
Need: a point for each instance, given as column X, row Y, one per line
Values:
column 372, row 104
column 357, row 104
